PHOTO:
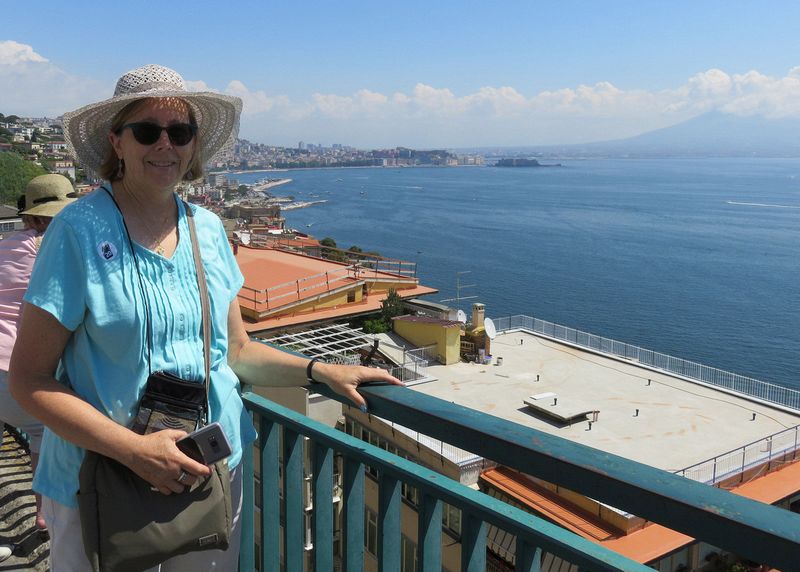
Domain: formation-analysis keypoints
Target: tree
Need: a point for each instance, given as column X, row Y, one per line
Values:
column 392, row 306
column 15, row 173
column 328, row 241
column 376, row 326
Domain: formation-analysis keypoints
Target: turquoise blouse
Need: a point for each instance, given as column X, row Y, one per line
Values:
column 86, row 278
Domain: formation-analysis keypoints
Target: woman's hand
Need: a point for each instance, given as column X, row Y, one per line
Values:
column 345, row 379
column 157, row 459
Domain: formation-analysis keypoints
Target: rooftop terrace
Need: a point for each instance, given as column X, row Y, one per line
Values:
column 651, row 417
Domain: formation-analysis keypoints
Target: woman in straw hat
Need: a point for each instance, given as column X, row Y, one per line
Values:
column 114, row 296
column 44, row 197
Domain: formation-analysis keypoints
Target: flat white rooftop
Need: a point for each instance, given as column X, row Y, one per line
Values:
column 679, row 423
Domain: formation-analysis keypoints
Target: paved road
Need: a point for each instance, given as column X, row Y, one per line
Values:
column 18, row 510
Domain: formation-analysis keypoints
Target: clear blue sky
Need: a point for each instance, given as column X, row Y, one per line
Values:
column 441, row 73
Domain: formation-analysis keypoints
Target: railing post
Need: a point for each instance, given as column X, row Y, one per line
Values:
column 473, row 544
column 353, row 515
column 529, row 557
column 247, row 524
column 323, row 507
column 430, row 534
column 389, row 523
column 269, row 443
column 295, row 526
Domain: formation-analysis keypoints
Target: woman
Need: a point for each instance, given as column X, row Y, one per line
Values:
column 114, row 316
column 44, row 197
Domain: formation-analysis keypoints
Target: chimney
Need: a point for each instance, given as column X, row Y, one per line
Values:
column 478, row 314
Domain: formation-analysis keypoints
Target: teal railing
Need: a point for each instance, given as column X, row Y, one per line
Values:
column 751, row 529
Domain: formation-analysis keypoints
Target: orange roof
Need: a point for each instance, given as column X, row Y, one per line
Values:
column 655, row 541
column 646, row 544
column 428, row 320
column 548, row 504
column 274, row 280
column 349, row 310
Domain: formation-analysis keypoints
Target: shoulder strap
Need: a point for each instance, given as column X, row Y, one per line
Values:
column 204, row 302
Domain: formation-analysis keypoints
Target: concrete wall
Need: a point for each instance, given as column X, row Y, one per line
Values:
column 446, row 339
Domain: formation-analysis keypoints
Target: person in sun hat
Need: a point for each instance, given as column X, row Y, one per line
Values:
column 44, row 198
column 87, row 307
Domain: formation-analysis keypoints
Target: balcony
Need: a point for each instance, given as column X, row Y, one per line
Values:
column 293, row 447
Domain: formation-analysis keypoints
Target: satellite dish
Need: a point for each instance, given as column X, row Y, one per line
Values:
column 461, row 317
column 491, row 331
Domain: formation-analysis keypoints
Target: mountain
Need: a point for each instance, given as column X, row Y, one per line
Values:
column 713, row 134
column 718, row 134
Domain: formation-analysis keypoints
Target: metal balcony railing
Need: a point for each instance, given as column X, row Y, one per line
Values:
column 751, row 529
column 781, row 396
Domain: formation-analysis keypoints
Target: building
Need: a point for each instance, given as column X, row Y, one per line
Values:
column 285, row 288
column 10, row 221
column 662, row 419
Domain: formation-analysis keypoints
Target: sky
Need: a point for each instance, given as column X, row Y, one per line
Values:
column 441, row 73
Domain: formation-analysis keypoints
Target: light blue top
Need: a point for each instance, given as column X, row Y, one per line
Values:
column 86, row 278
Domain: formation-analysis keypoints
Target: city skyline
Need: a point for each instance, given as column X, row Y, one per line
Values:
column 448, row 75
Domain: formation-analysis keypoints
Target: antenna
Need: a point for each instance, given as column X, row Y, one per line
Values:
column 460, row 287
column 491, row 330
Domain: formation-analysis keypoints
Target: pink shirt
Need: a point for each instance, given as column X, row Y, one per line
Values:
column 17, row 254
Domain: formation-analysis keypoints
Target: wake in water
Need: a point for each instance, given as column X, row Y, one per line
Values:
column 763, row 205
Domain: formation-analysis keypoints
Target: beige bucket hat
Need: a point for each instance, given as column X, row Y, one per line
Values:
column 86, row 129
column 46, row 195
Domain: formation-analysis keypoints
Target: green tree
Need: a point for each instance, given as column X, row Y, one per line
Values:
column 15, row 172
column 392, row 306
column 328, row 241
column 376, row 326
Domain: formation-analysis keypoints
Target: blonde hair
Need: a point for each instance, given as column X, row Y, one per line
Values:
column 109, row 170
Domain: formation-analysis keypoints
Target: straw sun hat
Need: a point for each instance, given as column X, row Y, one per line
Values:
column 86, row 129
column 46, row 195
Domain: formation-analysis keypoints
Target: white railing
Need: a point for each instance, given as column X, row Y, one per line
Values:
column 297, row 290
column 765, row 391
column 423, row 355
column 781, row 447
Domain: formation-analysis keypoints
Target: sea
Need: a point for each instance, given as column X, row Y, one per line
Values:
column 695, row 258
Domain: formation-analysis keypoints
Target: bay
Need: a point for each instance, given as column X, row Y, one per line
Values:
column 696, row 258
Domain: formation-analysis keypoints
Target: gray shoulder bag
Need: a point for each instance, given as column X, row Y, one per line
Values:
column 129, row 527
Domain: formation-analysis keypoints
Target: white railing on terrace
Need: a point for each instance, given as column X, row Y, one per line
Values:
column 423, row 355
column 780, row 447
column 366, row 261
column 296, row 290
column 768, row 392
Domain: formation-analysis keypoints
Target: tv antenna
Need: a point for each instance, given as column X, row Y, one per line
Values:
column 459, row 288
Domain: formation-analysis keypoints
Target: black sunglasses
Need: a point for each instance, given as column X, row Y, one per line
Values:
column 147, row 133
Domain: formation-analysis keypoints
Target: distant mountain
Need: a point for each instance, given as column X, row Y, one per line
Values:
column 713, row 134
column 717, row 133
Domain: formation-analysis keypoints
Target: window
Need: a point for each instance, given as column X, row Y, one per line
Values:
column 451, row 519
column 6, row 226
column 411, row 494
column 371, row 532
column 408, row 555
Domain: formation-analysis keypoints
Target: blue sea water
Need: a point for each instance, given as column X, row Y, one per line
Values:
column 696, row 258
